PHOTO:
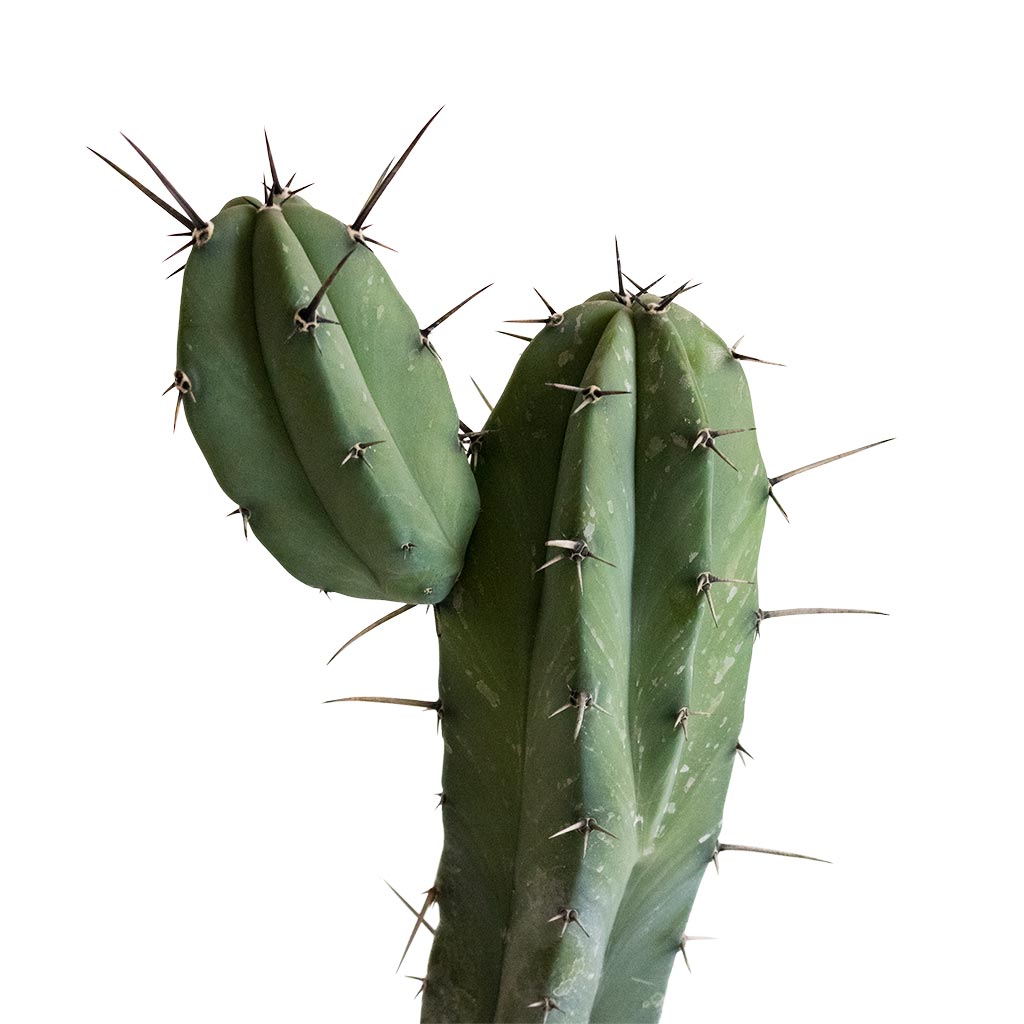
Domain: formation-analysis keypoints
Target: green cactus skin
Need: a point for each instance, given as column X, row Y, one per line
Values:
column 277, row 410
column 318, row 402
column 527, row 922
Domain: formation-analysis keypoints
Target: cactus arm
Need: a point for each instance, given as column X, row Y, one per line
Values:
column 236, row 421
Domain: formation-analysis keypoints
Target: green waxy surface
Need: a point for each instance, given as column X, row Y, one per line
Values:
column 623, row 474
column 276, row 412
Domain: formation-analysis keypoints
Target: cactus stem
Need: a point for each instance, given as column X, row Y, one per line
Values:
column 567, row 915
column 246, row 516
column 183, row 386
column 683, row 940
column 750, row 359
column 582, row 701
column 779, row 613
column 706, row 439
column 723, row 847
column 742, row 753
column 666, row 300
column 518, row 337
column 586, row 826
column 358, row 452
column 426, row 924
column 431, row 899
column 372, row 626
column 578, row 552
column 591, row 393
column 704, row 582
column 307, row 319
column 684, row 716
column 547, row 1004
column 772, row 481
column 356, row 228
column 425, row 331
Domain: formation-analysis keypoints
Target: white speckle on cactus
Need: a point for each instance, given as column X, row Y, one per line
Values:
column 683, row 769
column 487, row 693
column 704, row 838
column 655, row 446
column 380, row 312
column 693, row 555
column 564, row 357
column 726, row 665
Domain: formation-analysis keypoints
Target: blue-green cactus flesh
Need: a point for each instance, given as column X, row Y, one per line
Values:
column 322, row 411
column 594, row 657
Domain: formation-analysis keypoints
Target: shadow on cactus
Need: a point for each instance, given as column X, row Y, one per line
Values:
column 594, row 645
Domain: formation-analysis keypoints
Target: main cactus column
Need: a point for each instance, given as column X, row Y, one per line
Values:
column 594, row 656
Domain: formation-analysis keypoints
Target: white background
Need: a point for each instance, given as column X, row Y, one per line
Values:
column 190, row 834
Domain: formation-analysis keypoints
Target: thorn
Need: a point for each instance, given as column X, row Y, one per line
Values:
column 246, row 516
column 183, row 386
column 197, row 226
column 704, row 582
column 173, row 272
column 197, row 222
column 472, row 441
column 479, row 391
column 706, row 439
column 422, row 981
column 591, row 393
column 383, row 181
column 425, row 331
column 722, row 847
column 548, row 1004
column 586, row 826
column 275, row 181
column 554, row 318
column 358, row 452
column 772, row 481
column 520, row 337
column 683, row 940
column 684, row 716
column 427, row 705
column 568, row 916
column 666, row 300
column 622, row 293
column 582, row 701
column 426, row 924
column 441, row 800
column 406, row 548
column 578, row 553
column 779, row 613
column 370, row 627
column 307, row 318
column 431, row 899
column 750, row 359
column 742, row 753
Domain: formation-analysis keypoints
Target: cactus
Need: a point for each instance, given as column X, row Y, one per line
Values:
column 594, row 657
column 318, row 402
column 596, row 641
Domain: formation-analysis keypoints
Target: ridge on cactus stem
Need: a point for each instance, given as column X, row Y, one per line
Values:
column 306, row 380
